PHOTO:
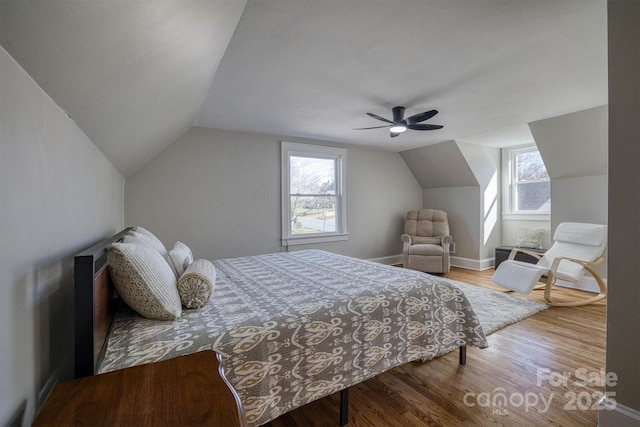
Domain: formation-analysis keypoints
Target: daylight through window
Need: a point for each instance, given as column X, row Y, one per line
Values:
column 530, row 189
column 313, row 187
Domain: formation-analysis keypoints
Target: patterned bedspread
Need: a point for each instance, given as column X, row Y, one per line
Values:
column 294, row 327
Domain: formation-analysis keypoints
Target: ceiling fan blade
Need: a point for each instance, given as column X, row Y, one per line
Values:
column 394, row 134
column 421, row 117
column 374, row 127
column 424, row 126
column 375, row 116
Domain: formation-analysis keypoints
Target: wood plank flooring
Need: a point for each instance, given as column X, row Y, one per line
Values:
column 542, row 371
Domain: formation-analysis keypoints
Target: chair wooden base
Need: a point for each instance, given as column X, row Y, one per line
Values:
column 551, row 279
column 550, row 282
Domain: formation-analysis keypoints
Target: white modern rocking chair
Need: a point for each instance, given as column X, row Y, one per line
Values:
column 577, row 248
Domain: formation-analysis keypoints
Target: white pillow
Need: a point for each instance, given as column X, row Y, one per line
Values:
column 139, row 239
column 155, row 242
column 180, row 257
column 530, row 238
column 196, row 284
column 144, row 281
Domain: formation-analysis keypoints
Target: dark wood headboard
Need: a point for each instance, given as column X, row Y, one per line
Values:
column 94, row 304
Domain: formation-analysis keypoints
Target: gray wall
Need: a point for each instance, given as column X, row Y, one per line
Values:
column 573, row 144
column 510, row 228
column 219, row 192
column 58, row 195
column 574, row 149
column 439, row 166
column 464, row 180
column 449, row 184
column 485, row 164
column 462, row 205
column 623, row 315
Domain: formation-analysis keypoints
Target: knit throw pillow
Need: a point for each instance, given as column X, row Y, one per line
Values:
column 530, row 238
column 144, row 281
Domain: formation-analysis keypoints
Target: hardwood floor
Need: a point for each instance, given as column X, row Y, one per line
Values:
column 545, row 370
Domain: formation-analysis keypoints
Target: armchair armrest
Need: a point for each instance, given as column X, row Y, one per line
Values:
column 406, row 242
column 514, row 252
column 445, row 242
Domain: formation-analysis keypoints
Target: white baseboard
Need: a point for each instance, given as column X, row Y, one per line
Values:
column 466, row 263
column 619, row 416
column 388, row 260
column 472, row 264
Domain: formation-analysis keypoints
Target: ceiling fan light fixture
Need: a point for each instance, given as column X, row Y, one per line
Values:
column 399, row 124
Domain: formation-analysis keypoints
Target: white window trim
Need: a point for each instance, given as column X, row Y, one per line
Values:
column 340, row 155
column 508, row 187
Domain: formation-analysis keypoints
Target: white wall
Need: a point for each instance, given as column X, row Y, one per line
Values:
column 58, row 195
column 219, row 192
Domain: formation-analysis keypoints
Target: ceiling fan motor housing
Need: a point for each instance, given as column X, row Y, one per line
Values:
column 398, row 114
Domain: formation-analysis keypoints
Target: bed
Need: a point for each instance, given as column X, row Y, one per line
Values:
column 290, row 327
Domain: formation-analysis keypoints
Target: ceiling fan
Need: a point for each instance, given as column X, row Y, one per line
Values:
column 400, row 124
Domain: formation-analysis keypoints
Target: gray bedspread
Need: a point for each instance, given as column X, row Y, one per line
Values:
column 294, row 327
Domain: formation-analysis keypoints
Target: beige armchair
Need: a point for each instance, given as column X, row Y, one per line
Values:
column 426, row 241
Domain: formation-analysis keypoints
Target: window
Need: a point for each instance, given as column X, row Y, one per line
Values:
column 527, row 189
column 313, row 194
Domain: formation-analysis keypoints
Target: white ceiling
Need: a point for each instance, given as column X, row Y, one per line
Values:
column 135, row 74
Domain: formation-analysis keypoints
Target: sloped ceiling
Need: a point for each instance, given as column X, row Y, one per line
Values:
column 131, row 73
column 440, row 165
column 582, row 135
column 134, row 74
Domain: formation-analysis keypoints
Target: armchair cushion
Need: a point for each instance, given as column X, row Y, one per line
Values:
column 420, row 240
column 426, row 250
column 427, row 223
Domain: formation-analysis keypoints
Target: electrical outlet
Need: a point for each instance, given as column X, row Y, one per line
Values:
column 452, row 248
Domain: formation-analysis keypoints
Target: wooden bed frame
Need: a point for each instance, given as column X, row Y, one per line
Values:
column 95, row 307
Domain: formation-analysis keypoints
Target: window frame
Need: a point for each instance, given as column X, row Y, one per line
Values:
column 339, row 155
column 509, row 185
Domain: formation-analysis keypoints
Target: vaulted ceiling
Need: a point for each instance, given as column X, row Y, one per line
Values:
column 135, row 74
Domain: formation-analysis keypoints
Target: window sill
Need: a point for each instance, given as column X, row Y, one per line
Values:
column 526, row 216
column 308, row 240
